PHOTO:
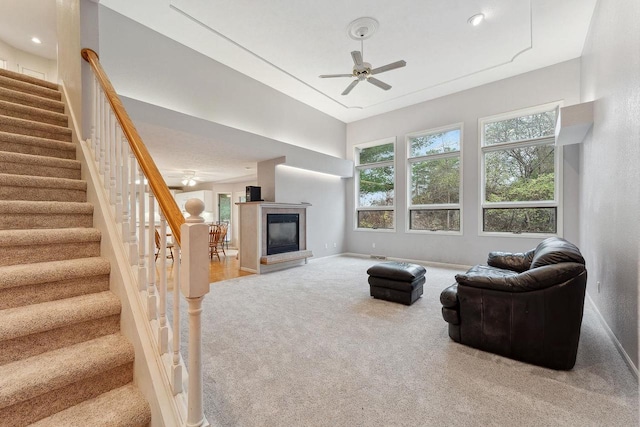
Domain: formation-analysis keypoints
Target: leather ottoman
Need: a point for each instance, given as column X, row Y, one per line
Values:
column 396, row 281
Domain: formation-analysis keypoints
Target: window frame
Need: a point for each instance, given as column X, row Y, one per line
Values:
column 439, row 206
column 358, row 166
column 558, row 172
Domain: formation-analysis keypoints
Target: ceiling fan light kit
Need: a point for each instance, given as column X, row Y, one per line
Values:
column 361, row 29
column 189, row 179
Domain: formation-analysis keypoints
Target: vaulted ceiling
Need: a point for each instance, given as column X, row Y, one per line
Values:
column 288, row 44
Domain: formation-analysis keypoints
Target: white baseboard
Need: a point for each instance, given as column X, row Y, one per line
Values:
column 613, row 337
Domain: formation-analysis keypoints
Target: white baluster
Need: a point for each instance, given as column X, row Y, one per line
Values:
column 142, row 271
column 151, row 263
column 94, row 92
column 176, row 367
column 163, row 330
column 102, row 134
column 117, row 172
column 106, row 171
column 98, row 144
column 194, row 285
column 133, row 241
column 113, row 170
column 124, row 185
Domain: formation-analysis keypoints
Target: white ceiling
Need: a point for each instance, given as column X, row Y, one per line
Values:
column 288, row 44
column 20, row 20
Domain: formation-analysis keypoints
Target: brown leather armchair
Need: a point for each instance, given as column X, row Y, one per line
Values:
column 525, row 306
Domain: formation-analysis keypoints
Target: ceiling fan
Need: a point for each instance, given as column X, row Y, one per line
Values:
column 361, row 29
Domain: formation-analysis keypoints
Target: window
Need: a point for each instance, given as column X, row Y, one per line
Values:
column 520, row 172
column 435, row 179
column 375, row 185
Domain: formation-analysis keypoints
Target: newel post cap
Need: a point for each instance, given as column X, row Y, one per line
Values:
column 195, row 207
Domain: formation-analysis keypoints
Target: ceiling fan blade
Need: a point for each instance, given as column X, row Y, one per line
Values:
column 351, row 86
column 392, row 66
column 357, row 57
column 329, row 76
column 376, row 82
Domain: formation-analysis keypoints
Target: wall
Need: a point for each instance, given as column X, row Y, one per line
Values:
column 325, row 218
column 145, row 65
column 555, row 83
column 89, row 36
column 610, row 192
column 17, row 59
column 69, row 72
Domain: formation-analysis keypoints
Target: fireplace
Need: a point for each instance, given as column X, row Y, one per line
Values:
column 283, row 231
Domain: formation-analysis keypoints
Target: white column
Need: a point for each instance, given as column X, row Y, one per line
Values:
column 194, row 283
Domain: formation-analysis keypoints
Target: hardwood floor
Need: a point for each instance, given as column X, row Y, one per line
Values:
column 227, row 268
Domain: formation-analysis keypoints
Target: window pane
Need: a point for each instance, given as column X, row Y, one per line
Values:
column 375, row 219
column 379, row 153
column 440, row 219
column 520, row 128
column 435, row 143
column 435, row 181
column 376, row 186
column 520, row 220
column 520, row 174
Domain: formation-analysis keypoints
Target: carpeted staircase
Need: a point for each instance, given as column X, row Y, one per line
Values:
column 63, row 360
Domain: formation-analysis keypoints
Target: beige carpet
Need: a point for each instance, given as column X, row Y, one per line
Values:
column 308, row 346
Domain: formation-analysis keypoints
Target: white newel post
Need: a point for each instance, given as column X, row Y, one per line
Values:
column 194, row 282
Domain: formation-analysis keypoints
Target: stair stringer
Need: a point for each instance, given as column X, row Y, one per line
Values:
column 149, row 373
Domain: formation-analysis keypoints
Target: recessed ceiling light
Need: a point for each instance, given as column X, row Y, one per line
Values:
column 36, row 40
column 476, row 19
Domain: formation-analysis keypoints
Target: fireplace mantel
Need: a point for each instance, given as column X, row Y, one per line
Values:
column 253, row 237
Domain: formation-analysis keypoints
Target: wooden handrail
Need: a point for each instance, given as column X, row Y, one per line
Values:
column 167, row 203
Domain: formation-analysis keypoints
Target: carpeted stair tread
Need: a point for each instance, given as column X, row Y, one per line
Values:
column 37, row 318
column 28, row 87
column 28, row 378
column 11, row 142
column 36, row 114
column 124, row 406
column 27, row 187
column 42, row 161
column 43, row 245
column 52, row 271
column 28, row 79
column 23, row 98
column 42, row 182
column 28, row 127
column 46, row 236
column 33, row 165
column 29, row 214
column 43, row 207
